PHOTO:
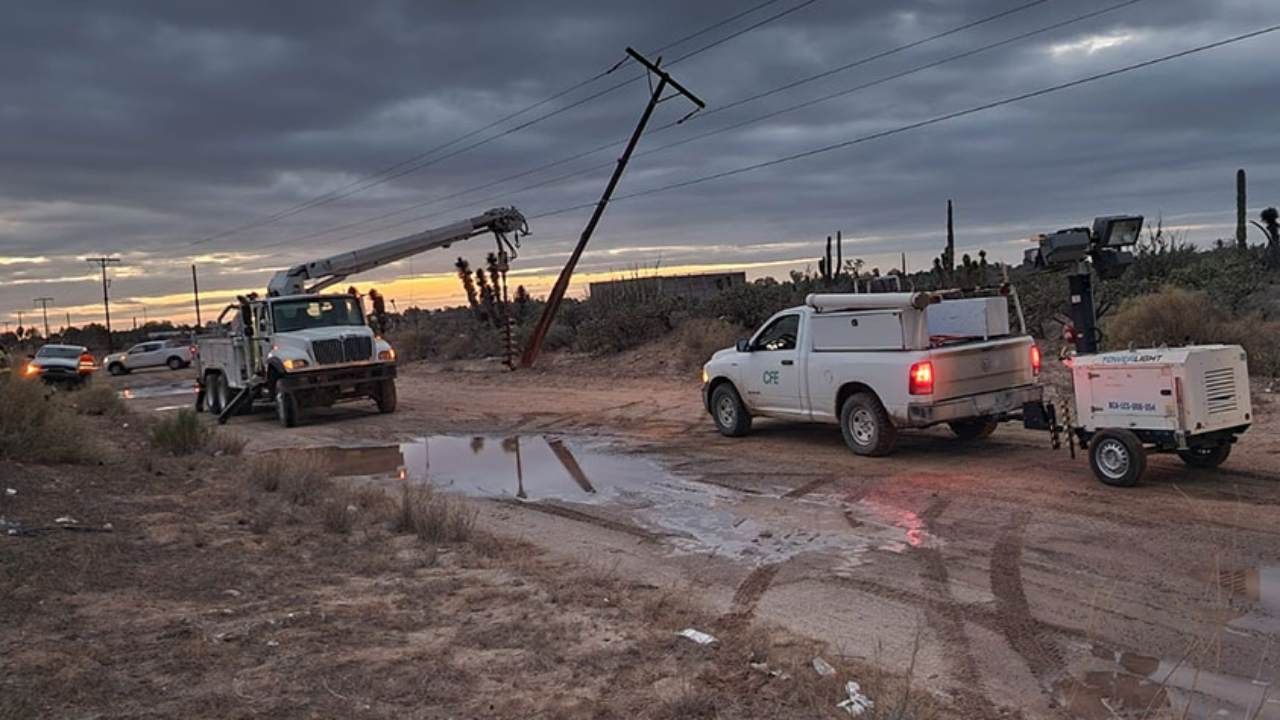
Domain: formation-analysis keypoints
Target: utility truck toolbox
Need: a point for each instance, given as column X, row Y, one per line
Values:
column 873, row 364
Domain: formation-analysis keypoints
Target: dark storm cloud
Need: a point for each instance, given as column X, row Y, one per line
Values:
column 139, row 128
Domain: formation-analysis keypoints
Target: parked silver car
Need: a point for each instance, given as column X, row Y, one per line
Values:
column 174, row 354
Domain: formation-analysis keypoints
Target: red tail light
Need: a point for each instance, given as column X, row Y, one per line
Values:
column 1035, row 359
column 86, row 362
column 920, row 379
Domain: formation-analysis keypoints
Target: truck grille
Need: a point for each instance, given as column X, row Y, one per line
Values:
column 352, row 349
column 1220, row 390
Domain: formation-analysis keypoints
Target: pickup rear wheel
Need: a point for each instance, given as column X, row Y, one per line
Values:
column 731, row 416
column 866, row 425
column 974, row 428
column 175, row 363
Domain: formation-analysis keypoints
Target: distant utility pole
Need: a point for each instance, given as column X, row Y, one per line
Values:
column 68, row 320
column 43, row 302
column 106, row 301
column 562, row 283
column 949, row 257
column 195, row 291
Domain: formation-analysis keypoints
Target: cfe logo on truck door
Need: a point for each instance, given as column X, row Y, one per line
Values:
column 771, row 377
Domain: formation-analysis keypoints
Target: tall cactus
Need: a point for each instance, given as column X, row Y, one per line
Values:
column 1242, row 213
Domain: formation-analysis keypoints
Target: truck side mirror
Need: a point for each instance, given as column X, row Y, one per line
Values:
column 744, row 345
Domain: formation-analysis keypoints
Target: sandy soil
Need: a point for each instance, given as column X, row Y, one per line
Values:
column 1000, row 574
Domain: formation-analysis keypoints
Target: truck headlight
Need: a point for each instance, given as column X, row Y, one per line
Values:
column 292, row 364
column 706, row 377
column 388, row 355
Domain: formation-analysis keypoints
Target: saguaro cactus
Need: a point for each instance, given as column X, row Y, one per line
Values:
column 1242, row 213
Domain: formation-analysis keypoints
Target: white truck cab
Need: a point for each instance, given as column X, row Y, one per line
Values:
column 876, row 363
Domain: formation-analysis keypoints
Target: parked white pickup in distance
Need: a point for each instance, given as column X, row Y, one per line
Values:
column 875, row 363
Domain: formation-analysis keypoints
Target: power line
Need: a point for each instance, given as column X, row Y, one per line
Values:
column 734, row 126
column 742, row 101
column 398, row 170
column 925, row 123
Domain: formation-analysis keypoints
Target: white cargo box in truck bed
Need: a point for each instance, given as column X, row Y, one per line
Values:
column 873, row 364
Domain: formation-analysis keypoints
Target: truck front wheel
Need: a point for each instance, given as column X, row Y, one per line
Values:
column 731, row 416
column 286, row 408
column 866, row 425
column 1210, row 457
column 974, row 428
column 1117, row 457
column 386, row 397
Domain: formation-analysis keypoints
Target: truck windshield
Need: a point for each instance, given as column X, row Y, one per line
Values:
column 290, row 315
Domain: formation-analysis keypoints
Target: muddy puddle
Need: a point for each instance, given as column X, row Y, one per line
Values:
column 156, row 391
column 688, row 515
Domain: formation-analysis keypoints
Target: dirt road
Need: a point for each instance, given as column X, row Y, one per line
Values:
column 1000, row 573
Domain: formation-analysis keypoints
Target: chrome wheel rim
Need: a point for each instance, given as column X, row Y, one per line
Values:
column 863, row 426
column 1113, row 459
column 726, row 412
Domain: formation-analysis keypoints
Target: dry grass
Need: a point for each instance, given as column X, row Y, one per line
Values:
column 222, row 442
column 37, row 427
column 179, row 434
column 301, row 477
column 95, row 399
column 433, row 516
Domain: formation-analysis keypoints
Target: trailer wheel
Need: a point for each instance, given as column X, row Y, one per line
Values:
column 866, row 425
column 974, row 428
column 286, row 408
column 386, row 397
column 215, row 396
column 1210, row 457
column 731, row 416
column 1117, row 457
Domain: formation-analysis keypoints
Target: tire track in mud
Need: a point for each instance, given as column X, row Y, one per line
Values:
column 1027, row 636
column 808, row 487
column 749, row 592
column 571, row 514
column 947, row 619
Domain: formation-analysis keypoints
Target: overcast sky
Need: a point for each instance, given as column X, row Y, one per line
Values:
column 138, row 129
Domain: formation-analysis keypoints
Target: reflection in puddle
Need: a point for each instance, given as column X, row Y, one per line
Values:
column 153, row 391
column 695, row 517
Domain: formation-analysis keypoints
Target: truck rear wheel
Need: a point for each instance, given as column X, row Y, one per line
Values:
column 974, row 428
column 215, row 395
column 729, row 413
column 287, row 408
column 1117, row 457
column 386, row 397
column 1210, row 457
column 866, row 425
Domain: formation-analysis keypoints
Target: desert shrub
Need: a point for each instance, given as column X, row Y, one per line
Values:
column 698, row 338
column 222, row 442
column 610, row 327
column 1174, row 316
column 433, row 516
column 301, row 477
column 34, row 426
column 337, row 512
column 179, row 434
column 95, row 399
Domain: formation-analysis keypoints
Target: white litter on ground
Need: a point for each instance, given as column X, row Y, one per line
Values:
column 697, row 636
column 856, row 703
column 823, row 668
column 65, row 520
column 10, row 492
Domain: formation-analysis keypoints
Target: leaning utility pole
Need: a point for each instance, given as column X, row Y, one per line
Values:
column 43, row 302
column 106, row 301
column 562, row 283
column 195, row 291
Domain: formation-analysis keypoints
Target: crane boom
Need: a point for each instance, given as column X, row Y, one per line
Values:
column 336, row 268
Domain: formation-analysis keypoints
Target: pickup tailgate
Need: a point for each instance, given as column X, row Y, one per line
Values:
column 981, row 366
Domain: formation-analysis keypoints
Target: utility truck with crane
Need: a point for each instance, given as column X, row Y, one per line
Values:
column 300, row 347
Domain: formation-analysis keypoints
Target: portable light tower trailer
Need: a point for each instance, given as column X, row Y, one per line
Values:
column 1193, row 400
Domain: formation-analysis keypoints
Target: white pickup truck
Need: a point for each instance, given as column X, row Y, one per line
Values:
column 876, row 363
